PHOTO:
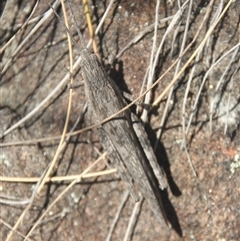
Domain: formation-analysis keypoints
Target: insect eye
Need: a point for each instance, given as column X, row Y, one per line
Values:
column 83, row 63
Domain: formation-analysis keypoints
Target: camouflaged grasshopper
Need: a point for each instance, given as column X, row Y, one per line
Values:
column 123, row 137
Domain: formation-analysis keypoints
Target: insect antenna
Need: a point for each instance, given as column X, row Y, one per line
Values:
column 66, row 28
column 84, row 45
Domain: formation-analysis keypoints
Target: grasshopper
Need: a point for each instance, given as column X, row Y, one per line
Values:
column 123, row 137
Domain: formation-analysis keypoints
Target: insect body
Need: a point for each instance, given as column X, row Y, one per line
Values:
column 119, row 138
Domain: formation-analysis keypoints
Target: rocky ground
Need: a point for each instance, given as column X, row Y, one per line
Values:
column 205, row 207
